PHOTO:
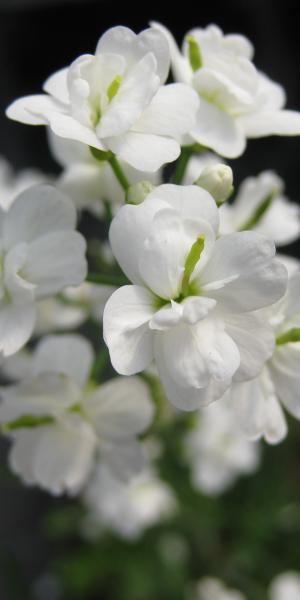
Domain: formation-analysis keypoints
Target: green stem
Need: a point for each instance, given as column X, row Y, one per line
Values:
column 182, row 163
column 107, row 279
column 119, row 173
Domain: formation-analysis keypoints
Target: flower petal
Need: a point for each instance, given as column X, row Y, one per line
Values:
column 190, row 201
column 172, row 112
column 32, row 110
column 255, row 340
column 126, row 330
column 134, row 95
column 56, row 86
column 277, row 122
column 258, row 410
column 120, row 408
column 48, row 394
column 144, row 151
column 132, row 223
column 38, row 211
column 57, row 458
column 194, row 355
column 125, row 458
column 218, row 131
column 71, row 355
column 56, row 261
column 16, row 326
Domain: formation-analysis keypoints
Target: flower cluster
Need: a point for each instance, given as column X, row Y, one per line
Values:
column 188, row 297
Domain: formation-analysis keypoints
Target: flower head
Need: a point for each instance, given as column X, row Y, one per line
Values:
column 41, row 254
column 191, row 306
column 115, row 100
column 57, row 422
column 236, row 101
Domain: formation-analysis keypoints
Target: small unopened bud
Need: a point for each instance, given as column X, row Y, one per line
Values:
column 217, row 180
column 137, row 192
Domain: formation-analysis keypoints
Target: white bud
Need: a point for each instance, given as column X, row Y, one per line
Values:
column 137, row 193
column 217, row 180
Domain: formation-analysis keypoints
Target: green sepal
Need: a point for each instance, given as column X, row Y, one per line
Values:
column 291, row 336
column 191, row 261
column 114, row 86
column 195, row 57
column 26, row 422
column 259, row 211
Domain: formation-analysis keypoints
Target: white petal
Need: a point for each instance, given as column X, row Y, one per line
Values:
column 121, row 40
column 57, row 458
column 144, row 151
column 193, row 355
column 165, row 250
column 120, row 408
column 125, row 458
column 280, row 122
column 182, row 396
column 56, row 261
column 38, row 211
column 132, row 223
column 56, row 86
column 48, row 394
column 16, row 326
column 172, row 111
column 281, row 222
column 68, row 152
column 134, row 95
column 235, row 254
column 66, row 126
column 258, row 410
column 254, row 290
column 255, row 341
column 287, row 387
column 218, row 131
column 181, row 68
column 285, row 586
column 190, row 201
column 33, row 110
column 241, row 273
column 126, row 331
column 71, row 355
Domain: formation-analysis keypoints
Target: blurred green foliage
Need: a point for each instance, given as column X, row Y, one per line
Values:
column 245, row 537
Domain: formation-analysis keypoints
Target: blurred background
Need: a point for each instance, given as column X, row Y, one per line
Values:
column 251, row 532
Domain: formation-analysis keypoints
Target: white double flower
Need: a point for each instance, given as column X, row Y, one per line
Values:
column 40, row 255
column 236, row 101
column 116, row 100
column 191, row 308
column 58, row 423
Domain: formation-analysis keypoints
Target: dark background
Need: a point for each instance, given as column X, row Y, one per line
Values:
column 38, row 37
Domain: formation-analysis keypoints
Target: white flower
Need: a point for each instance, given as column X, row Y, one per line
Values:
column 115, row 100
column 72, row 420
column 72, row 308
column 41, row 254
column 236, row 101
column 216, row 449
column 12, row 184
column 258, row 402
column 128, row 508
column 285, row 587
column 91, row 183
column 190, row 308
column 261, row 205
column 213, row 589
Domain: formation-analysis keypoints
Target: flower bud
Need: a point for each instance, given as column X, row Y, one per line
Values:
column 217, row 180
column 137, row 192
